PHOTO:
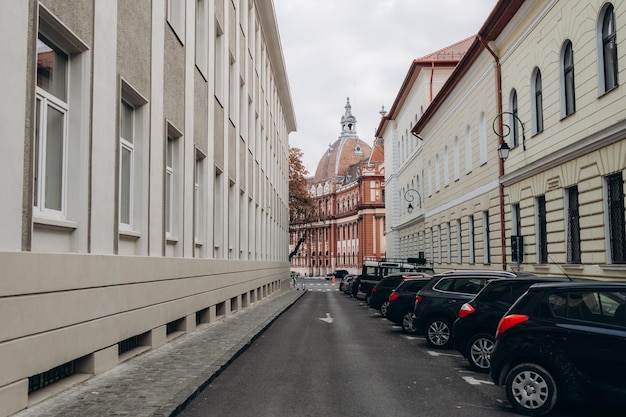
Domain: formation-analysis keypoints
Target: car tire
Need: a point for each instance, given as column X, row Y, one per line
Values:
column 479, row 351
column 531, row 389
column 408, row 325
column 383, row 308
column 439, row 333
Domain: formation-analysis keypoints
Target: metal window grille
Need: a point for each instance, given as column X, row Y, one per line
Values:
column 542, row 235
column 42, row 380
column 617, row 223
column 573, row 229
column 128, row 344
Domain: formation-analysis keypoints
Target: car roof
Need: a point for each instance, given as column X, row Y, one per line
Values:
column 600, row 285
column 483, row 273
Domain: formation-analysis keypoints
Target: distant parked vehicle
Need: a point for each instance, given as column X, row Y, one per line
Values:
column 375, row 269
column 338, row 274
column 345, row 285
column 563, row 342
column 379, row 300
column 437, row 304
column 402, row 302
column 474, row 331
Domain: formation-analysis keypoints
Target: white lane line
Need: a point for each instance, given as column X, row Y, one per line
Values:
column 475, row 381
column 433, row 353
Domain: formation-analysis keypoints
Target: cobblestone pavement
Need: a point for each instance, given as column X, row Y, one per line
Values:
column 159, row 383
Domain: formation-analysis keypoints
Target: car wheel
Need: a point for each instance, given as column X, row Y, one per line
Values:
column 480, row 349
column 439, row 333
column 383, row 308
column 531, row 389
column 407, row 323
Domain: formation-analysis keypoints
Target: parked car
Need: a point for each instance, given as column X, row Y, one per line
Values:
column 562, row 342
column 374, row 270
column 474, row 331
column 338, row 274
column 379, row 298
column 345, row 285
column 402, row 302
column 437, row 304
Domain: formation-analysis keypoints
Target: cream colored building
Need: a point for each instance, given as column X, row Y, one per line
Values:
column 144, row 177
column 542, row 76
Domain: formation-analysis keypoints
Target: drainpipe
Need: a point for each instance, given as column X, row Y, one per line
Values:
column 432, row 74
column 501, row 139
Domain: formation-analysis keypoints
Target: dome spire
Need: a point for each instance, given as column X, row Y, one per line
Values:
column 348, row 121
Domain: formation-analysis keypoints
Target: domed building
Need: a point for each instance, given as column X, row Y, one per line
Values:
column 348, row 189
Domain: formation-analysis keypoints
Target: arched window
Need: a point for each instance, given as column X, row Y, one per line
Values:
column 482, row 137
column 536, row 101
column 446, row 166
column 468, row 150
column 456, row 158
column 513, row 128
column 437, row 181
column 568, row 98
column 608, row 49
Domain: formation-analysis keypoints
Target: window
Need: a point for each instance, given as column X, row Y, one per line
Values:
column 468, row 150
column 513, row 117
column 472, row 248
column 449, row 243
column 127, row 166
column 486, row 238
column 199, row 196
column 50, row 142
column 482, row 137
column 608, row 51
column 573, row 225
column 542, row 230
column 176, row 18
column 446, row 167
column 616, row 220
column 440, row 243
column 218, row 73
column 437, row 175
column 537, row 101
column 516, row 220
column 459, row 246
column 173, row 178
column 202, row 40
column 567, row 80
column 457, row 159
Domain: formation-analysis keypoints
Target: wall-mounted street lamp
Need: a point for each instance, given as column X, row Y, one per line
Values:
column 504, row 146
column 410, row 196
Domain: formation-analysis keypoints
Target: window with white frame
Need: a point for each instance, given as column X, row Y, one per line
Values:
column 482, row 137
column 608, row 50
column 218, row 71
column 468, row 150
column 430, row 179
column 449, row 241
column 568, row 97
column 127, row 164
column 541, row 229
column 202, row 36
column 513, row 129
column 446, row 166
column 199, row 203
column 536, row 102
column 51, row 136
column 173, row 183
column 459, row 242
column 176, row 17
column 572, row 225
column 457, row 159
column 218, row 215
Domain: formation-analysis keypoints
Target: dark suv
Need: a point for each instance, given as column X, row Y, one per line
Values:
column 437, row 304
column 474, row 331
column 379, row 299
column 402, row 301
column 563, row 342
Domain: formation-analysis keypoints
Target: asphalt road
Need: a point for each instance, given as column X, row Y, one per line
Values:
column 331, row 355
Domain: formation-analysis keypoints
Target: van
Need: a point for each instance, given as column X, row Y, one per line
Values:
column 374, row 269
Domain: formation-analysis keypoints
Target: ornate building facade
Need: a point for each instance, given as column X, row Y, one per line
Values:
column 348, row 190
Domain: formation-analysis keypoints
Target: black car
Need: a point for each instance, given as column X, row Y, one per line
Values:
column 565, row 342
column 337, row 274
column 474, row 331
column 437, row 304
column 374, row 270
column 379, row 298
column 402, row 301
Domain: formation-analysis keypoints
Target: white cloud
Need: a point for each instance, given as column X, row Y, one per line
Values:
column 360, row 49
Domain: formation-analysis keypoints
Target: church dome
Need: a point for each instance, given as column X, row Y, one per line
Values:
column 346, row 151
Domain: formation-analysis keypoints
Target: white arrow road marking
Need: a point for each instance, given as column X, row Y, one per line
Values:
column 473, row 381
column 327, row 319
column 432, row 353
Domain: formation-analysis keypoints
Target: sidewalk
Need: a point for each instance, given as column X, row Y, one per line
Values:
column 160, row 382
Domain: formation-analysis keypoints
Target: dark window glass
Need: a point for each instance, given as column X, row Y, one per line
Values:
column 609, row 49
column 538, row 102
column 568, row 78
column 542, row 232
column 573, row 226
column 617, row 223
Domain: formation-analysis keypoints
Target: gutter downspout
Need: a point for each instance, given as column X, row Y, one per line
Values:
column 500, row 134
column 432, row 75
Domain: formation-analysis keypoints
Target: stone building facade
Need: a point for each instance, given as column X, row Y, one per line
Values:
column 145, row 179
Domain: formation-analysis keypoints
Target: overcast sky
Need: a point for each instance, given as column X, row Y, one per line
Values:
column 362, row 49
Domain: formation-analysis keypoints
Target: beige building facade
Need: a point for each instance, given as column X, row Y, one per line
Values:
column 145, row 179
column 542, row 77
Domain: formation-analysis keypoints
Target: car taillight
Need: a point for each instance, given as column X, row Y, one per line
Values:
column 374, row 290
column 466, row 310
column 509, row 321
column 393, row 297
column 418, row 299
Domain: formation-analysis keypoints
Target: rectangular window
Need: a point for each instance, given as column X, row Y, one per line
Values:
column 199, row 206
column 472, row 247
column 439, row 243
column 50, row 141
column 202, row 40
column 486, row 238
column 173, row 183
column 218, row 73
column 542, row 230
column 616, row 220
column 449, row 243
column 176, row 17
column 459, row 242
column 218, row 214
column 573, row 225
column 127, row 168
